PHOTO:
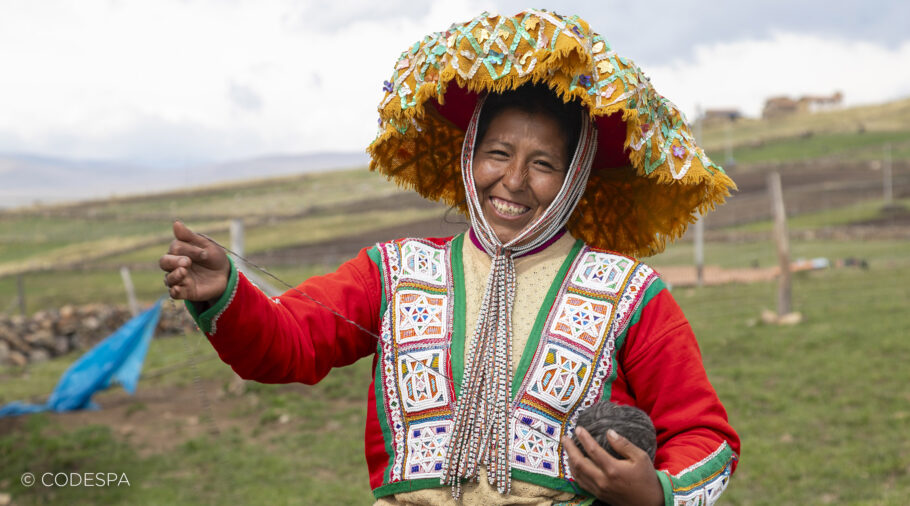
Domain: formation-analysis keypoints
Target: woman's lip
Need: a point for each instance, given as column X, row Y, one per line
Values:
column 505, row 214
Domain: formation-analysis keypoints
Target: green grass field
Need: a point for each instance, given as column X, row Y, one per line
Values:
column 822, row 408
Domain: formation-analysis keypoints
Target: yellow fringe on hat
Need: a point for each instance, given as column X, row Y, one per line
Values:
column 633, row 209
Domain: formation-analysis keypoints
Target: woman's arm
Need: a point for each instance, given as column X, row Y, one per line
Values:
column 293, row 338
column 661, row 365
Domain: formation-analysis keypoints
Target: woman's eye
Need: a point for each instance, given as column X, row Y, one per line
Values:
column 544, row 164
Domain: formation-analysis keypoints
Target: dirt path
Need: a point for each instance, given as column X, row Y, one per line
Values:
column 160, row 416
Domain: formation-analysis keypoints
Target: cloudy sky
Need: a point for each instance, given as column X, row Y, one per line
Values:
column 180, row 82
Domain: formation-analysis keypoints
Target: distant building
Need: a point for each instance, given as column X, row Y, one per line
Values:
column 782, row 106
column 719, row 115
column 779, row 106
column 816, row 104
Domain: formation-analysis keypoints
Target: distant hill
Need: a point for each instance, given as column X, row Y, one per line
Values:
column 851, row 134
column 26, row 179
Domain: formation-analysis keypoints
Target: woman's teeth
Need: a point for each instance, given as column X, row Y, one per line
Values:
column 508, row 208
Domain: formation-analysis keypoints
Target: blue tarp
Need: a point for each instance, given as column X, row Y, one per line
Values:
column 116, row 359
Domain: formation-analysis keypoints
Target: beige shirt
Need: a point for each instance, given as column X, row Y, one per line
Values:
column 534, row 276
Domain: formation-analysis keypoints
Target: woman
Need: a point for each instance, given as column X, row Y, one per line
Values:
column 488, row 345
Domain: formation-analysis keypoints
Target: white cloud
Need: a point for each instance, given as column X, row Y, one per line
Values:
column 174, row 81
column 82, row 77
column 744, row 73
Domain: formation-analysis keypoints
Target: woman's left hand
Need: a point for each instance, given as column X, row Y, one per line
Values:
column 631, row 481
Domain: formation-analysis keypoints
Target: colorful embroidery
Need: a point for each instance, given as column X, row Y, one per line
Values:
column 703, row 482
column 535, row 443
column 707, row 494
column 422, row 377
column 423, row 263
column 575, row 355
column 573, row 359
column 427, row 448
column 603, row 272
column 559, row 380
column 420, row 315
column 639, row 281
column 582, row 319
column 416, row 336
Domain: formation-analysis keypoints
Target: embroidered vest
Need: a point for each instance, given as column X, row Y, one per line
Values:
column 566, row 367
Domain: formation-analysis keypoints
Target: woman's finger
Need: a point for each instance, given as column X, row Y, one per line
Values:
column 170, row 262
column 183, row 233
column 583, row 469
column 595, row 452
column 175, row 277
column 182, row 248
column 625, row 447
column 176, row 292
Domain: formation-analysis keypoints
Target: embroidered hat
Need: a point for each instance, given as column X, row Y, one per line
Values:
column 648, row 177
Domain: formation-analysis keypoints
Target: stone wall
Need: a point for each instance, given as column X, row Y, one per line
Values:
column 47, row 334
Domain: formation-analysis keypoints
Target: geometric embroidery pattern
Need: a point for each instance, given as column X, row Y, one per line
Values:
column 631, row 296
column 715, row 488
column 420, row 315
column 575, row 355
column 414, row 353
column 422, row 262
column 708, row 491
column 391, row 396
column 535, row 443
column 602, row 271
column 567, row 371
column 422, row 380
column 560, row 379
column 582, row 320
column 427, row 448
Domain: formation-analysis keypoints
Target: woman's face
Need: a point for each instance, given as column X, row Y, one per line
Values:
column 519, row 168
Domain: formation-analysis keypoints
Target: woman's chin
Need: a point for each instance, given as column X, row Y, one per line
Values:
column 506, row 233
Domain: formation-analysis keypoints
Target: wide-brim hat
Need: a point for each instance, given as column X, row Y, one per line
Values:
column 648, row 179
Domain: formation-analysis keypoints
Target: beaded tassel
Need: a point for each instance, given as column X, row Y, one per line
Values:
column 481, row 434
column 485, row 423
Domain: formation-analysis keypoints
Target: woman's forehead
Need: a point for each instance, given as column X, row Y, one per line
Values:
column 513, row 122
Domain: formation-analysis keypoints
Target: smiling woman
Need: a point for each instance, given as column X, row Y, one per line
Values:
column 487, row 346
column 522, row 156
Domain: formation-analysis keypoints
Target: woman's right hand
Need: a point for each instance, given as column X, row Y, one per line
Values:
column 197, row 269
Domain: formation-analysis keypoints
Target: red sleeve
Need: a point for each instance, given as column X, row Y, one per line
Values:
column 291, row 338
column 663, row 370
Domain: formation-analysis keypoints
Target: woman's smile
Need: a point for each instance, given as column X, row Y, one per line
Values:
column 508, row 209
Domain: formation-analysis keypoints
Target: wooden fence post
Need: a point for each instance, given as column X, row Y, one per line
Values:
column 20, row 288
column 237, row 246
column 783, row 244
column 130, row 290
column 700, row 250
column 887, row 182
column 237, row 237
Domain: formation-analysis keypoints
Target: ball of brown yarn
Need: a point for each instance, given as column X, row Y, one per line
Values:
column 628, row 421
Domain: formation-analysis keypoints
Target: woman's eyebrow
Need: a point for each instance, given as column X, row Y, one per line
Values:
column 546, row 153
column 496, row 141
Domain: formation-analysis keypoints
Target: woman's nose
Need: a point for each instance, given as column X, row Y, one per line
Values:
column 516, row 177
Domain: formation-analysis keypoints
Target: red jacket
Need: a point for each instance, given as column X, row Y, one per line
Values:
column 294, row 338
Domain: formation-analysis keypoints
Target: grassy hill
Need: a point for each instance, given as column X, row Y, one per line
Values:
column 854, row 134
